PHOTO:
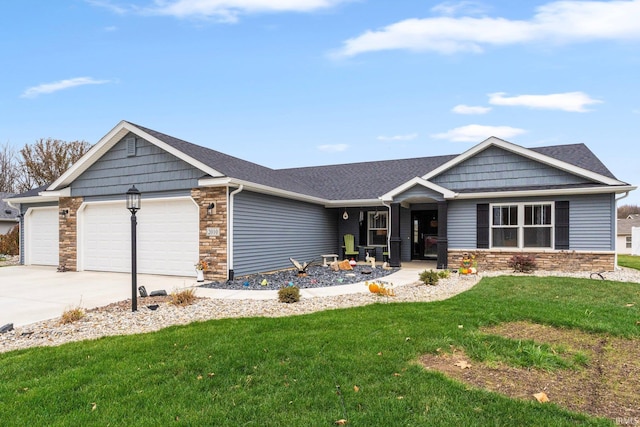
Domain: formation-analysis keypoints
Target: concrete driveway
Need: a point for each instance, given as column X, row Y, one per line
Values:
column 31, row 293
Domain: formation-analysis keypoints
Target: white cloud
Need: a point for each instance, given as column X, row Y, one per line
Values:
column 407, row 137
column 568, row 101
column 468, row 109
column 451, row 8
column 477, row 133
column 46, row 88
column 106, row 4
column 556, row 22
column 333, row 148
column 229, row 10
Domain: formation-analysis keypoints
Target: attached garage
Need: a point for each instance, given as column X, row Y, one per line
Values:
column 167, row 236
column 42, row 236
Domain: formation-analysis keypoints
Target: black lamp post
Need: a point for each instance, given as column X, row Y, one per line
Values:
column 133, row 204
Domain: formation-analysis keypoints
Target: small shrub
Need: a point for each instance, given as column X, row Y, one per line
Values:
column 10, row 242
column 522, row 263
column 429, row 277
column 72, row 315
column 183, row 298
column 444, row 274
column 289, row 294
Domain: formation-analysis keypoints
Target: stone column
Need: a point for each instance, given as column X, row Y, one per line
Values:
column 68, row 231
column 213, row 230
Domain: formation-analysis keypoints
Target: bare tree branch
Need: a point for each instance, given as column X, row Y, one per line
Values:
column 47, row 159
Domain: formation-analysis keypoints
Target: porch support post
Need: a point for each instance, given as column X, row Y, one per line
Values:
column 395, row 239
column 443, row 241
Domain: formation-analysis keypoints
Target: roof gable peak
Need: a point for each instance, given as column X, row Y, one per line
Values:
column 533, row 154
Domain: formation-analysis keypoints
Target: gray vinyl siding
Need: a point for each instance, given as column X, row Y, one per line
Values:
column 461, row 225
column 268, row 230
column 498, row 168
column 590, row 219
column 151, row 170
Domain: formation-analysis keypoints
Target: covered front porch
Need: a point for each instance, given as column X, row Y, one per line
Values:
column 412, row 230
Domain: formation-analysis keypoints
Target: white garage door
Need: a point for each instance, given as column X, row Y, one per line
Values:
column 41, row 236
column 167, row 237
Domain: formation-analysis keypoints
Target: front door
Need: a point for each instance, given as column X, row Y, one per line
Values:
column 424, row 234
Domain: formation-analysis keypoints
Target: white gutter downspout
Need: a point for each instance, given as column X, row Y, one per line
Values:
column 230, row 273
column 615, row 237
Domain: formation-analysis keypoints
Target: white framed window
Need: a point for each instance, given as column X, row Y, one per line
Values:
column 522, row 225
column 628, row 242
column 377, row 228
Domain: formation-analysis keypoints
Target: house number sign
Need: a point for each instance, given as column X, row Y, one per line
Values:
column 213, row 231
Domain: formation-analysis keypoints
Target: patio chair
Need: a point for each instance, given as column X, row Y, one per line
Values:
column 349, row 249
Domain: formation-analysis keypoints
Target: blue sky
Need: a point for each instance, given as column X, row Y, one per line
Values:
column 289, row 83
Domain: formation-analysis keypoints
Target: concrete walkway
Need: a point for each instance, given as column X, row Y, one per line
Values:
column 31, row 294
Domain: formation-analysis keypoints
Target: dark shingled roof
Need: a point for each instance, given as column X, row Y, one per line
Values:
column 234, row 167
column 625, row 225
column 577, row 155
column 353, row 181
column 7, row 212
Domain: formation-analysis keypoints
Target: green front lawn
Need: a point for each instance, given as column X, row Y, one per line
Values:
column 301, row 371
column 631, row 261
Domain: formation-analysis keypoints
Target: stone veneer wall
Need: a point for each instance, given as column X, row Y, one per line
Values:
column 213, row 249
column 68, row 232
column 489, row 260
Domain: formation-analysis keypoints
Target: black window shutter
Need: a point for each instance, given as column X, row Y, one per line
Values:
column 482, row 226
column 562, row 225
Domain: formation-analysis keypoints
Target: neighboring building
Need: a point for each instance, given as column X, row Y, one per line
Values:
column 624, row 241
column 496, row 199
column 8, row 215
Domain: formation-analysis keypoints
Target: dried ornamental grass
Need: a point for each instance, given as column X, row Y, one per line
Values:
column 183, row 298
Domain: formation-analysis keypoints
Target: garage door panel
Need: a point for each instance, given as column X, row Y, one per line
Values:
column 167, row 237
column 42, row 240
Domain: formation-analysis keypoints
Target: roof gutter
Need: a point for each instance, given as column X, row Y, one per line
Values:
column 572, row 191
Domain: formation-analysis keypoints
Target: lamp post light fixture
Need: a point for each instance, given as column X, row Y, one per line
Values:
column 133, row 204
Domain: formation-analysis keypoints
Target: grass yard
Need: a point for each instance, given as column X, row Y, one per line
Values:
column 630, row 261
column 360, row 364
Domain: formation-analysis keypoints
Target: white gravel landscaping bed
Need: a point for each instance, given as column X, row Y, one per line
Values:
column 117, row 318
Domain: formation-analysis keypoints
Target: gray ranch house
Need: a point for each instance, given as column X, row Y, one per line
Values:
column 495, row 200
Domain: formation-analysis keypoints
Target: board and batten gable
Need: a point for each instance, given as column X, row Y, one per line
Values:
column 495, row 167
column 150, row 168
column 591, row 217
column 269, row 230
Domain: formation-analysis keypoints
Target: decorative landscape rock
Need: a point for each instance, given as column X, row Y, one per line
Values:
column 159, row 293
column 317, row 277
